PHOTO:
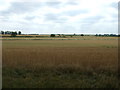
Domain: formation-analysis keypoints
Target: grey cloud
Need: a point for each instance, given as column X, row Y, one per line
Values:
column 71, row 3
column 53, row 4
column 3, row 19
column 59, row 23
column 55, row 18
column 22, row 7
column 92, row 20
column 51, row 16
column 26, row 7
column 58, row 4
column 30, row 17
column 115, row 16
column 5, row 16
column 75, row 12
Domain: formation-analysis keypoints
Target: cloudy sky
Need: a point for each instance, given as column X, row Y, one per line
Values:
column 59, row 16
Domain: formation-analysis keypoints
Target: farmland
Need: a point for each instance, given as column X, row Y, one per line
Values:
column 80, row 62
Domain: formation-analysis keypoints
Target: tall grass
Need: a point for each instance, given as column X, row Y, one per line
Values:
column 60, row 66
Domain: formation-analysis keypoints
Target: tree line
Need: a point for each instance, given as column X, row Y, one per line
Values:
column 12, row 33
column 103, row 35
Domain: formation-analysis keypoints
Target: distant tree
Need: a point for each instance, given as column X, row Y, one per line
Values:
column 13, row 34
column 59, row 35
column 7, row 32
column 52, row 35
column 113, row 35
column 100, row 35
column 16, row 32
column 96, row 35
column 63, row 35
column 82, row 34
column 106, row 35
column 2, row 32
column 19, row 33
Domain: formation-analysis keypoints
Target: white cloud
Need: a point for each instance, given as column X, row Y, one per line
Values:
column 59, row 16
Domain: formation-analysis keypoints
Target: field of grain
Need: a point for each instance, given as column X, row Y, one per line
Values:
column 47, row 37
column 60, row 63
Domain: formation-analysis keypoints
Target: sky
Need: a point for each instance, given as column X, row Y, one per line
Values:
column 59, row 16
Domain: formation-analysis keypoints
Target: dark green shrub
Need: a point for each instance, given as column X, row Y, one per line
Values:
column 13, row 34
column 82, row 34
column 52, row 35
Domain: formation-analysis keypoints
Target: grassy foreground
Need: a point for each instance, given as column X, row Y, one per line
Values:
column 60, row 63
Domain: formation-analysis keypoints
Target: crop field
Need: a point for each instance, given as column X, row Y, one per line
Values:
column 85, row 63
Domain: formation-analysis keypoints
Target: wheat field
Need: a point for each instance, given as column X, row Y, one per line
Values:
column 60, row 63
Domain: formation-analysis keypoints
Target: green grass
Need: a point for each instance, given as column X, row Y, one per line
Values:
column 58, row 79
